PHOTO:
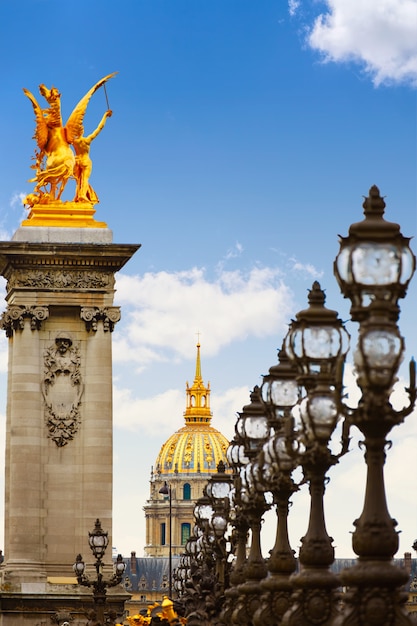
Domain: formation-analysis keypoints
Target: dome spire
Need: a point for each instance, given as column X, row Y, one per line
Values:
column 198, row 397
column 198, row 376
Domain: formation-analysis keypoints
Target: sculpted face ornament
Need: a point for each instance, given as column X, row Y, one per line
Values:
column 63, row 343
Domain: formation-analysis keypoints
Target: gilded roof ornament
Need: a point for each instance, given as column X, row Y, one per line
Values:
column 198, row 397
column 197, row 447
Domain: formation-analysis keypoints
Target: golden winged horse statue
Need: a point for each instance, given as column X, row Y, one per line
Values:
column 55, row 161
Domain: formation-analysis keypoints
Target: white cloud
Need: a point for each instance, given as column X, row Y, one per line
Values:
column 133, row 414
column 380, row 35
column 234, row 252
column 17, row 200
column 225, row 408
column 161, row 309
column 293, row 6
column 305, row 268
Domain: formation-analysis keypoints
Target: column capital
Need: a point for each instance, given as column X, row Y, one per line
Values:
column 14, row 317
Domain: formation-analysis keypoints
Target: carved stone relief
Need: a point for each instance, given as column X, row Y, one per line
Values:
column 109, row 315
column 61, row 279
column 62, row 388
column 14, row 317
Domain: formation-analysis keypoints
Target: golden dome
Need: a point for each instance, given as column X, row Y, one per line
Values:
column 197, row 447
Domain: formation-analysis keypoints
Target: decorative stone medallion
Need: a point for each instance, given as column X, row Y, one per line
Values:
column 62, row 388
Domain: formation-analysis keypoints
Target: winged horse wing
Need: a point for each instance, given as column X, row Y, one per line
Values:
column 41, row 130
column 74, row 127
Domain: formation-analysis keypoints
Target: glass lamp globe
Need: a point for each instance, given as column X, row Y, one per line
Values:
column 378, row 355
column 375, row 263
column 276, row 454
column 119, row 566
column 319, row 415
column 79, row 566
column 252, row 425
column 280, row 390
column 219, row 524
column 220, row 484
column 98, row 540
column 203, row 511
column 316, row 340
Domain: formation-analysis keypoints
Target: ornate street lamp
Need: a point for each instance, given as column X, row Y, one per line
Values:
column 197, row 577
column 316, row 343
column 253, row 430
column 218, row 491
column 182, row 575
column 219, row 485
column 203, row 512
column 375, row 263
column 98, row 541
column 280, row 393
column 237, row 459
column 374, row 267
column 166, row 491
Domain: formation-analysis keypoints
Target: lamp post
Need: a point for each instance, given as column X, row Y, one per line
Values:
column 280, row 393
column 98, row 541
column 218, row 490
column 253, row 430
column 167, row 491
column 237, row 459
column 373, row 268
column 197, row 577
column 316, row 343
column 204, row 566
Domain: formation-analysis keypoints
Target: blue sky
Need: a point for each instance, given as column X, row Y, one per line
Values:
column 244, row 135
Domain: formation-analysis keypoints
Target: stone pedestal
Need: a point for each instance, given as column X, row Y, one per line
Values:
column 59, row 319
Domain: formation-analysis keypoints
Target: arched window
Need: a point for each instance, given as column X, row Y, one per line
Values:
column 185, row 533
column 186, row 493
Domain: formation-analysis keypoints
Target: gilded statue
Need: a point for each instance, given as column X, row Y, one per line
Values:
column 63, row 151
column 158, row 613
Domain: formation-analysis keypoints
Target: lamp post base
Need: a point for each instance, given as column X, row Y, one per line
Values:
column 315, row 601
column 375, row 595
column 247, row 604
column 275, row 600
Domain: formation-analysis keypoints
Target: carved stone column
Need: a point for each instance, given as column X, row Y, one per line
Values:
column 25, row 433
column 59, row 319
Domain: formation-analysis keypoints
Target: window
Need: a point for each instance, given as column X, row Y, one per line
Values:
column 186, row 491
column 163, row 534
column 185, row 533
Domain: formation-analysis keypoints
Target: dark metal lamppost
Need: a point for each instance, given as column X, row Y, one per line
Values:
column 196, row 576
column 237, row 459
column 253, row 429
column 316, row 343
column 206, row 562
column 98, row 540
column 373, row 268
column 167, row 491
column 187, row 577
column 218, row 490
column 280, row 393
